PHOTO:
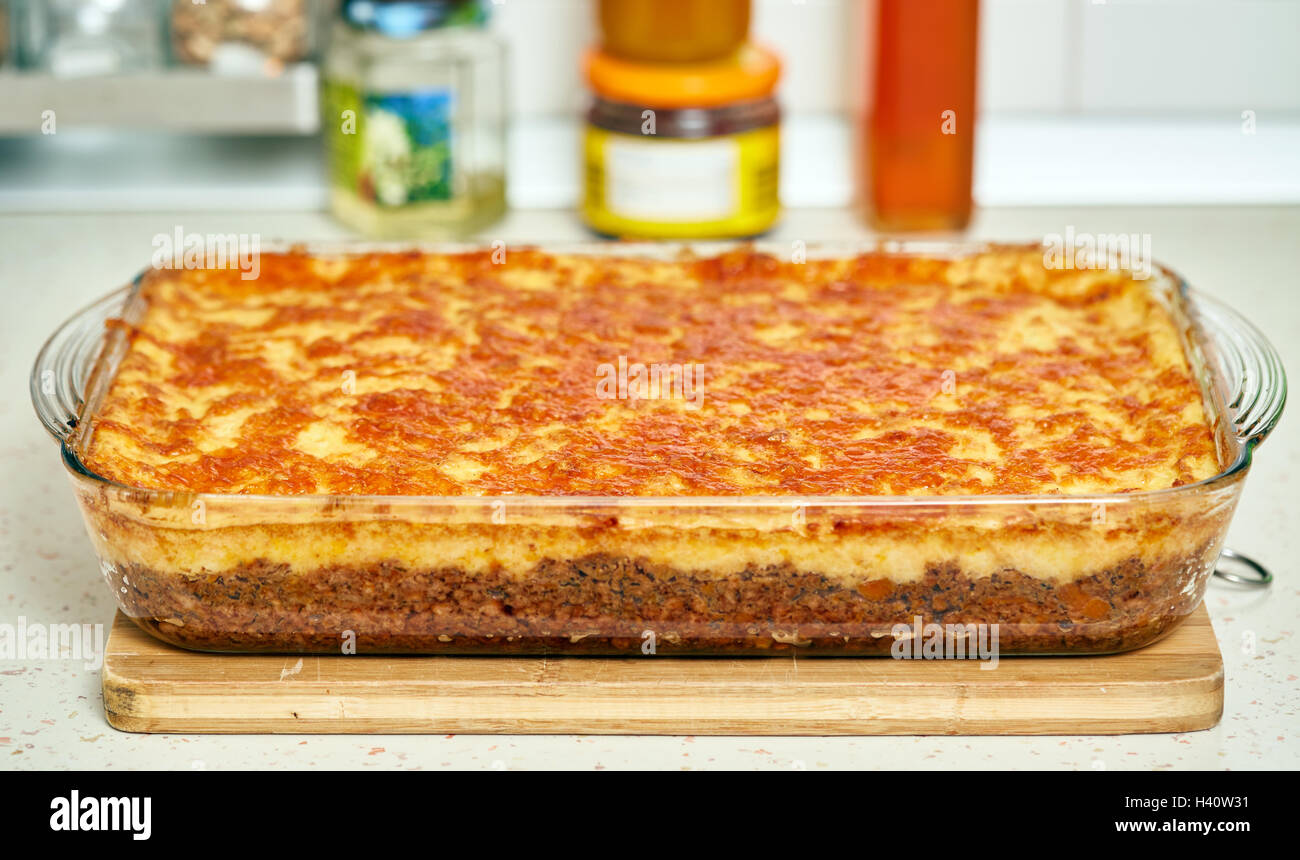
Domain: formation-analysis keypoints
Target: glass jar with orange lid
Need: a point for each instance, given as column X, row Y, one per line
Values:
column 674, row 31
column 682, row 150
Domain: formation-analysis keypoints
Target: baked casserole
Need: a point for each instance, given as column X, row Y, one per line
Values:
column 522, row 450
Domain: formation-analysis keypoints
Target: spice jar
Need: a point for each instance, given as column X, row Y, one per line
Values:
column 414, row 118
column 85, row 38
column 676, row 31
column 242, row 35
column 687, row 150
column 4, row 31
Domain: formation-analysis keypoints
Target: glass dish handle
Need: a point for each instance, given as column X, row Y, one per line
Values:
column 63, row 366
column 1251, row 369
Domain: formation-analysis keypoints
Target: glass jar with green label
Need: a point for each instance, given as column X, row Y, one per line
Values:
column 413, row 108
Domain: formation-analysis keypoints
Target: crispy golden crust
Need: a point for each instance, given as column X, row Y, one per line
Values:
column 453, row 375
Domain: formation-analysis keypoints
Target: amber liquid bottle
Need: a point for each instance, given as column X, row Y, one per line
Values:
column 917, row 139
column 673, row 31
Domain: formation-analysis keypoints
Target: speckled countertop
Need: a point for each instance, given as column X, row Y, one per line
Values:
column 51, row 715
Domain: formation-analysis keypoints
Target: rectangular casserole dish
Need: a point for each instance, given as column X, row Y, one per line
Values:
column 760, row 573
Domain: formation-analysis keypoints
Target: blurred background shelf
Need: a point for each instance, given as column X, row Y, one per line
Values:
column 173, row 99
column 1022, row 160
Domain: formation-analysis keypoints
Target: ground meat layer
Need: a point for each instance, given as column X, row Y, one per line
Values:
column 604, row 605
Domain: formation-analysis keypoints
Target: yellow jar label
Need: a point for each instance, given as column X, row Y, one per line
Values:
column 648, row 186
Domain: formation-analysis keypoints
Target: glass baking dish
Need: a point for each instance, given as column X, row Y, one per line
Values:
column 1041, row 574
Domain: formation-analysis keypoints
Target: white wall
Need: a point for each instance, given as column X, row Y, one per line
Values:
column 1149, row 57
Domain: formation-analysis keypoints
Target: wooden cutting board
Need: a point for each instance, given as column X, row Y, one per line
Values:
column 1175, row 685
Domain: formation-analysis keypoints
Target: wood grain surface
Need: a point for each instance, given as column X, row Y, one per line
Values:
column 1174, row 685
